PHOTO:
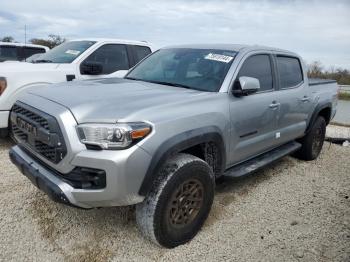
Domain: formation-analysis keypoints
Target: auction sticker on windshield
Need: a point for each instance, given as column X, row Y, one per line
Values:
column 219, row 57
column 73, row 52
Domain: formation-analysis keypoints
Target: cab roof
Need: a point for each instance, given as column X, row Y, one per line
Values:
column 230, row 47
column 113, row 40
column 23, row 44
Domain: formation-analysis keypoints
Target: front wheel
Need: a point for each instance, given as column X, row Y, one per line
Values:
column 312, row 143
column 4, row 132
column 179, row 202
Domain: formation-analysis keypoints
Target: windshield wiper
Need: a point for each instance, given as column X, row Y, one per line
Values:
column 160, row 82
column 42, row 61
column 171, row 84
column 131, row 78
column 166, row 83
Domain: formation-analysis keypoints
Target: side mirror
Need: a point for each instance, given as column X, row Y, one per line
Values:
column 245, row 86
column 91, row 68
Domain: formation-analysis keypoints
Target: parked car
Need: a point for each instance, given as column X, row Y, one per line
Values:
column 159, row 138
column 77, row 59
column 19, row 51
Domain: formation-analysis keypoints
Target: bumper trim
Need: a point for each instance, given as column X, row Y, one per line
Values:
column 39, row 179
column 4, row 118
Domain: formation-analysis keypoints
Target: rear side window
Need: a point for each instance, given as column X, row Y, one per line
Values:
column 258, row 66
column 8, row 53
column 289, row 71
column 141, row 52
column 112, row 57
column 29, row 51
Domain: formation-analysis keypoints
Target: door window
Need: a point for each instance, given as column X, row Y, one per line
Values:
column 112, row 57
column 141, row 52
column 29, row 51
column 259, row 67
column 289, row 71
column 8, row 53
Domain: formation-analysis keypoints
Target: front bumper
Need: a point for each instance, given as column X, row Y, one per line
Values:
column 4, row 119
column 121, row 184
column 124, row 169
column 39, row 177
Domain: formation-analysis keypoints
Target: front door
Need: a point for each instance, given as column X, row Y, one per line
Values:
column 254, row 117
column 112, row 57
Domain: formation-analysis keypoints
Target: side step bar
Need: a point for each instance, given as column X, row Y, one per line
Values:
column 262, row 160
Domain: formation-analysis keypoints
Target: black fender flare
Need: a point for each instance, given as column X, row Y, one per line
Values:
column 179, row 143
column 315, row 114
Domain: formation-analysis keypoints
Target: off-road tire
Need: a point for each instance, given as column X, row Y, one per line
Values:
column 312, row 143
column 157, row 217
column 4, row 132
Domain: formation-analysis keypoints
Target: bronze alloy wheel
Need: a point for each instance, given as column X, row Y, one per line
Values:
column 178, row 204
column 185, row 203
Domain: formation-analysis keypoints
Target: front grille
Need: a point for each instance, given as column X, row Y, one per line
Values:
column 18, row 133
column 36, row 118
column 38, row 131
column 47, row 151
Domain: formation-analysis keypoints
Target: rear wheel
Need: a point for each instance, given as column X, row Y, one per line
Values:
column 312, row 143
column 179, row 202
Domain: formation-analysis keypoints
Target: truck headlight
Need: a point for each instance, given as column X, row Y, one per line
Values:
column 112, row 136
column 3, row 84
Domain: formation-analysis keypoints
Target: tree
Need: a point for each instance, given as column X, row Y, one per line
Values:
column 315, row 69
column 7, row 39
column 51, row 42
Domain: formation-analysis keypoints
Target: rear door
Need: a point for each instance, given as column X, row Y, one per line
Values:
column 294, row 97
column 254, row 117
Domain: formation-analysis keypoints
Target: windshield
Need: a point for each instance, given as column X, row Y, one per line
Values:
column 8, row 53
column 65, row 53
column 199, row 69
column 32, row 58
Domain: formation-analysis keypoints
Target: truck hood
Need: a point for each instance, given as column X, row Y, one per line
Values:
column 111, row 99
column 18, row 67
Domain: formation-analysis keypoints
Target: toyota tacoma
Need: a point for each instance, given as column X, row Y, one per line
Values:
column 160, row 137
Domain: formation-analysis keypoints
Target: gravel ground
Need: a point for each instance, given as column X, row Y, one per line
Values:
column 290, row 211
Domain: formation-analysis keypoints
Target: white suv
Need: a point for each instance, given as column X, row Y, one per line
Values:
column 78, row 59
column 19, row 51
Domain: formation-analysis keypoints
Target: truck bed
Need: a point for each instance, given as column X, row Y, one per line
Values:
column 319, row 81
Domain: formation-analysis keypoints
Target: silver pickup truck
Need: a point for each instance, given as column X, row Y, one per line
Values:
column 160, row 137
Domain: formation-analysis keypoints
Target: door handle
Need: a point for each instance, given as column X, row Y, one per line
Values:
column 305, row 99
column 274, row 105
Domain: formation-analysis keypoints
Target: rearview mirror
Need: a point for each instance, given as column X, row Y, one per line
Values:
column 246, row 85
column 91, row 68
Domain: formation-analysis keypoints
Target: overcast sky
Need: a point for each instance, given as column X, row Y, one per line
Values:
column 317, row 30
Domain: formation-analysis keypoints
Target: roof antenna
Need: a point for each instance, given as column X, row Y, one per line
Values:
column 25, row 34
column 25, row 39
